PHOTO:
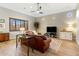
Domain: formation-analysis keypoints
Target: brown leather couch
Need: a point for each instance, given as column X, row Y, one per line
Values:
column 40, row 43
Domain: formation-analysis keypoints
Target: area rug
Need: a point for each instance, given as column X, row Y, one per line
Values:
column 55, row 44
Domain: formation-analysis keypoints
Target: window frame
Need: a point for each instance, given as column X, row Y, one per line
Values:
column 10, row 24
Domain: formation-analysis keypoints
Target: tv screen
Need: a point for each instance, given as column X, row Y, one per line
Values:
column 51, row 29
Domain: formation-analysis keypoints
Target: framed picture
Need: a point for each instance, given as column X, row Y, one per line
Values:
column 2, row 25
column 2, row 20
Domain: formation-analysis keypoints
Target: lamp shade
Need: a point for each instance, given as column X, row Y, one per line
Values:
column 22, row 29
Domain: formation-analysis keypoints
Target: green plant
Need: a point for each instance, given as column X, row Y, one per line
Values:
column 36, row 25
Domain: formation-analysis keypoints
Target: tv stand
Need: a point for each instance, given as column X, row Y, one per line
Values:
column 52, row 34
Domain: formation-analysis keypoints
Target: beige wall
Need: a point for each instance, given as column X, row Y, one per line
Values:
column 77, row 17
column 6, row 13
column 59, row 20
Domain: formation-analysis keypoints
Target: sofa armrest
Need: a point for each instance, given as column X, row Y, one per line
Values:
column 47, row 43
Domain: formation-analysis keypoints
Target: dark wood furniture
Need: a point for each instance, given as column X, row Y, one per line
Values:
column 4, row 37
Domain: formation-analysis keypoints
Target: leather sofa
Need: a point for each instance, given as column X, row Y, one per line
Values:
column 40, row 43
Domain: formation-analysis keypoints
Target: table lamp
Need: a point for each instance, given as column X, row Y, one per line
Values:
column 22, row 29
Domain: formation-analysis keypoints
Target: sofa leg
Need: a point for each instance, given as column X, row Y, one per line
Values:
column 28, row 51
column 32, row 50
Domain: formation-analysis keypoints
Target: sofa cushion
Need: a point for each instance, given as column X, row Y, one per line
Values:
column 29, row 33
column 43, row 37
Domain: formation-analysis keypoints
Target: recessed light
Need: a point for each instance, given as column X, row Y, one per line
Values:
column 69, row 14
column 37, row 11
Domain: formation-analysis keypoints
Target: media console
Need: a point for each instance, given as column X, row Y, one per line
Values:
column 4, row 37
column 52, row 34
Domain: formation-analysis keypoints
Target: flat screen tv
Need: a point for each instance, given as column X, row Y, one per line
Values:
column 51, row 29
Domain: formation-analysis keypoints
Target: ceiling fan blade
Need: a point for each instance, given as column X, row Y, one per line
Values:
column 40, row 7
column 40, row 12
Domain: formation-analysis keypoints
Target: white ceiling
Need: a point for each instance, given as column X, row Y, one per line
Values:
column 47, row 8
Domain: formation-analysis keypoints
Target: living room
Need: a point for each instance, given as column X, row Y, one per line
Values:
column 43, row 19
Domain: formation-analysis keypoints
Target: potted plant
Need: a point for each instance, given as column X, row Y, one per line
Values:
column 36, row 25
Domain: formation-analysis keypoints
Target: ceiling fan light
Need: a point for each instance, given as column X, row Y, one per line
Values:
column 37, row 11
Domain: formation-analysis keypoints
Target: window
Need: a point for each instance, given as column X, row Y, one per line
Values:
column 16, row 24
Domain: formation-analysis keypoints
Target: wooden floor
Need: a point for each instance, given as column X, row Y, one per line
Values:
column 67, row 48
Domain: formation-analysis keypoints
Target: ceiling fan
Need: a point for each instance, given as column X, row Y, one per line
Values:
column 38, row 9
